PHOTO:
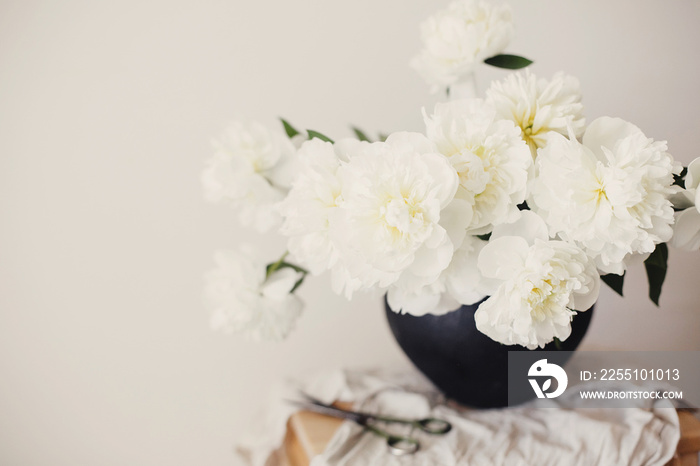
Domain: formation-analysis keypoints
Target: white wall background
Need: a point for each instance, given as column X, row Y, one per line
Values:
column 106, row 113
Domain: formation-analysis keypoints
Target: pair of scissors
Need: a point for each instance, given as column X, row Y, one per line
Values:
column 398, row 445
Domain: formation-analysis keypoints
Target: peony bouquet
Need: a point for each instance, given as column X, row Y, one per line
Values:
column 510, row 200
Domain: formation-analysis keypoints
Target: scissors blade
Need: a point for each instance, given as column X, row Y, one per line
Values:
column 329, row 410
column 311, row 399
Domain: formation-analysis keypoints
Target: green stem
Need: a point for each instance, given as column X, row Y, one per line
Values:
column 280, row 264
column 272, row 268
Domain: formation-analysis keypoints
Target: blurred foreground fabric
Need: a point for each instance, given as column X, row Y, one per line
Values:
column 560, row 433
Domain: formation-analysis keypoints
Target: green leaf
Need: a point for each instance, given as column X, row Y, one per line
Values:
column 297, row 284
column 360, row 134
column 382, row 137
column 614, row 281
column 293, row 266
column 316, row 134
column 289, row 129
column 281, row 264
column 656, row 265
column 509, row 62
column 484, row 237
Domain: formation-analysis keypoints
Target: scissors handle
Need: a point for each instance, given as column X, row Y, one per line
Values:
column 398, row 445
column 434, row 426
column 429, row 425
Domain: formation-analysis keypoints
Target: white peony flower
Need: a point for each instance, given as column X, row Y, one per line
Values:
column 610, row 195
column 428, row 299
column 686, row 230
column 460, row 283
column 243, row 300
column 539, row 107
column 463, row 281
column 491, row 159
column 392, row 227
column 459, row 37
column 310, row 205
column 539, row 284
column 252, row 168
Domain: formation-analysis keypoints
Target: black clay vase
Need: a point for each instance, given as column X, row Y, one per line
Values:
column 466, row 365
